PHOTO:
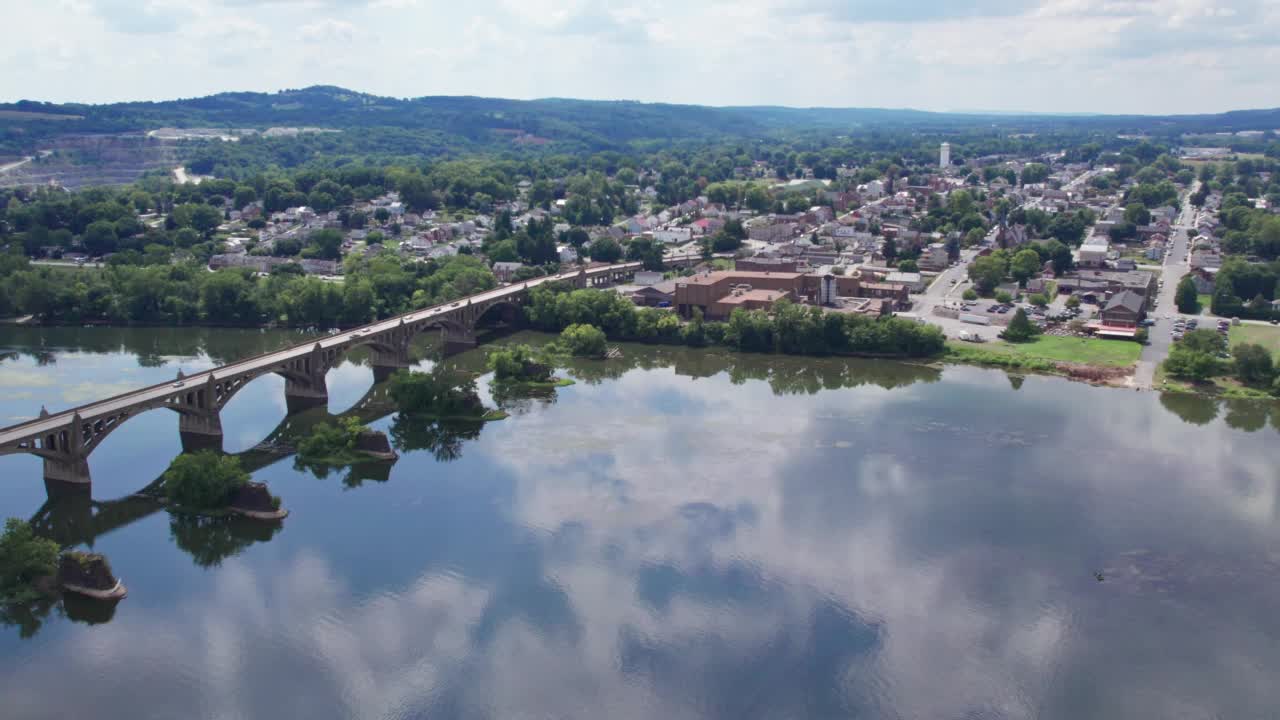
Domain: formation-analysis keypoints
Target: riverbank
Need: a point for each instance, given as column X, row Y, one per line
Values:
column 1108, row 362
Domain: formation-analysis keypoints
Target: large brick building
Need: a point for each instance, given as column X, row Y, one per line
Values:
column 716, row 294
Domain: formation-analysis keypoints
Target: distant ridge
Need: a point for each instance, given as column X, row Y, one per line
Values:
column 563, row 123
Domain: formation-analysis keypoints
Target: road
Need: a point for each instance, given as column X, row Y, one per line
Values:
column 15, row 165
column 159, row 393
column 942, row 291
column 1176, row 265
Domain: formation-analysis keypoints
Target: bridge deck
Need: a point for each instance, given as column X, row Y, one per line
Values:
column 155, row 393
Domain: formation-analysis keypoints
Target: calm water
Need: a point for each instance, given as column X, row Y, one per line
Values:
column 680, row 535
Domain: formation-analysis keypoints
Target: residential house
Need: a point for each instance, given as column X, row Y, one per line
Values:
column 934, row 257
column 506, row 271
column 1124, row 310
column 1093, row 253
column 661, row 294
column 676, row 235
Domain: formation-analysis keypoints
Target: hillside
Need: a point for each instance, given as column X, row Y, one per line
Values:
column 582, row 123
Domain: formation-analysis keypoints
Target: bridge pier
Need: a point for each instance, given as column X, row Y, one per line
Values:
column 201, row 431
column 301, row 396
column 391, row 360
column 458, row 340
column 70, row 470
column 382, row 373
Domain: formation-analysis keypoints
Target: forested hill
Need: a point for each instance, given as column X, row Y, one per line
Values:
column 464, row 123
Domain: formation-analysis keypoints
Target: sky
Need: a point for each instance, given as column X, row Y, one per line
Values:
column 1115, row 56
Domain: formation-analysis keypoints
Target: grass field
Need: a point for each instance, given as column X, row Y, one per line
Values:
column 1268, row 336
column 1205, row 301
column 1082, row 351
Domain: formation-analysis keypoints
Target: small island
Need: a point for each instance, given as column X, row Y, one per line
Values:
column 440, row 395
column 345, row 442
column 522, row 365
column 89, row 574
column 207, row 483
column 33, row 569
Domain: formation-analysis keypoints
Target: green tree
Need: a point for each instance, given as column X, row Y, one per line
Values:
column 1021, row 329
column 1025, row 264
column 969, row 294
column 1253, row 364
column 24, row 559
column 986, row 272
column 200, row 217
column 203, row 480
column 908, row 265
column 1137, row 214
column 889, row 249
column 327, row 243
column 1187, row 299
column 519, row 363
column 605, row 249
column 100, row 238
column 583, row 340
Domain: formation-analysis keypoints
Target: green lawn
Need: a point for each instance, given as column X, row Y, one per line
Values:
column 1205, row 301
column 1268, row 336
column 1083, row 351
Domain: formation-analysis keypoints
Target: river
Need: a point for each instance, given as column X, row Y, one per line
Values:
column 681, row 534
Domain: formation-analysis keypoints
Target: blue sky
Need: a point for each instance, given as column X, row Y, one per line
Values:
column 1130, row 56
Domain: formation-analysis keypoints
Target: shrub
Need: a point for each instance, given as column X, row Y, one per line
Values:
column 969, row 294
column 203, row 480
column 519, row 363
column 332, row 441
column 584, row 340
column 1252, row 364
column 1003, row 297
column 24, row 558
column 1021, row 329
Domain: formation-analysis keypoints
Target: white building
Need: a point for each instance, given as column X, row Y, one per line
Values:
column 944, row 155
column 671, row 236
column 1093, row 253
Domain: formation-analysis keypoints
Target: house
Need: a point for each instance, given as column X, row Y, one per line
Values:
column 1011, row 236
column 766, row 232
column 1203, row 280
column 934, row 257
column 1093, row 253
column 567, row 253
column 1125, row 309
column 658, row 295
column 913, row 281
column 505, row 271
column 1037, row 286
column 674, row 236
column 1205, row 260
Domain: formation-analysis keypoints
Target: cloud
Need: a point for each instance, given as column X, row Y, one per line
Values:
column 1069, row 55
column 146, row 17
column 328, row 30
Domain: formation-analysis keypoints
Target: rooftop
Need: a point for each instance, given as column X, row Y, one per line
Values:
column 756, row 295
column 714, row 277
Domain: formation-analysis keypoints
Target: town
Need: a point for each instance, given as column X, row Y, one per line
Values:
column 1121, row 250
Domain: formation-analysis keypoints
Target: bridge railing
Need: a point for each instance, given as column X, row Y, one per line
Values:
column 60, row 418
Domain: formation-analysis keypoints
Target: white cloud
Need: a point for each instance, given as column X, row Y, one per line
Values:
column 328, row 30
column 1069, row 55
